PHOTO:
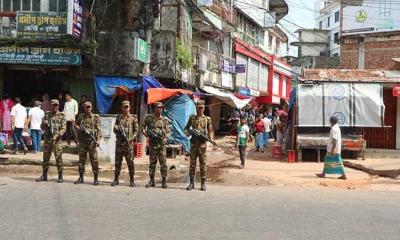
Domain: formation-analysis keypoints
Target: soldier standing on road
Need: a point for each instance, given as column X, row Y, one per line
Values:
column 198, row 147
column 54, row 126
column 157, row 150
column 86, row 145
column 129, row 123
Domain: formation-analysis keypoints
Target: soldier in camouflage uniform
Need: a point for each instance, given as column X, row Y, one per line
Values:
column 54, row 126
column 198, row 147
column 159, row 125
column 129, row 123
column 86, row 144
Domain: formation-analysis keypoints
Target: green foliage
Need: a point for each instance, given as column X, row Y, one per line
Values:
column 183, row 55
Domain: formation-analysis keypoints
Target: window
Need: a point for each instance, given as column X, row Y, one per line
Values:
column 337, row 17
column 20, row 5
column 329, row 21
column 320, row 24
column 384, row 8
column 270, row 39
column 336, row 38
column 58, row 5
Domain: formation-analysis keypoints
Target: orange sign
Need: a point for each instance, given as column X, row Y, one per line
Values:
column 396, row 91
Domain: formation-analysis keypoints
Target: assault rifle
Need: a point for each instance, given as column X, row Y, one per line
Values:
column 156, row 136
column 51, row 129
column 125, row 138
column 86, row 131
column 201, row 136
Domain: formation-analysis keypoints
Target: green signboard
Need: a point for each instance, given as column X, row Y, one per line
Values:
column 141, row 50
column 41, row 25
column 40, row 55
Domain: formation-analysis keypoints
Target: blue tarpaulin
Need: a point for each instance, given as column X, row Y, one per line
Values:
column 178, row 110
column 106, row 85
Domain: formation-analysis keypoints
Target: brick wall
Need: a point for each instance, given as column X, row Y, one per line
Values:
column 378, row 53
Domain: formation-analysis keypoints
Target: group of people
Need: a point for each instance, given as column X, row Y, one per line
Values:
column 16, row 119
column 126, row 128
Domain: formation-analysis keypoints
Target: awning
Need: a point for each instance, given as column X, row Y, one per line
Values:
column 227, row 97
column 160, row 94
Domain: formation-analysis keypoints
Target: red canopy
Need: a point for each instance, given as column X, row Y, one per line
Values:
column 160, row 94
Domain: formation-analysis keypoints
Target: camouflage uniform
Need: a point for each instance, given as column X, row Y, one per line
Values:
column 130, row 125
column 92, row 123
column 198, row 147
column 52, row 139
column 157, row 149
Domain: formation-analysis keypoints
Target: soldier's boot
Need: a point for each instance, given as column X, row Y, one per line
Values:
column 191, row 184
column 96, row 179
column 42, row 178
column 116, row 180
column 132, row 180
column 80, row 179
column 203, row 184
column 164, row 182
column 151, row 182
column 60, row 177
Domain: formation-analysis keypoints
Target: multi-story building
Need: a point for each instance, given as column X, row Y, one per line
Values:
column 328, row 18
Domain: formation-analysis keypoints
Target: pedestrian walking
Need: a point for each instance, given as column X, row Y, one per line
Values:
column 70, row 110
column 126, row 129
column 241, row 140
column 259, row 131
column 35, row 117
column 46, row 104
column 280, row 130
column 61, row 100
column 267, row 130
column 5, row 114
column 333, row 163
column 198, row 145
column 54, row 126
column 156, row 127
column 18, row 122
column 82, row 101
column 88, row 128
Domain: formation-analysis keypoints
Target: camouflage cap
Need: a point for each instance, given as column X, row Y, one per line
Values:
column 201, row 103
column 125, row 103
column 55, row 102
column 86, row 104
column 158, row 104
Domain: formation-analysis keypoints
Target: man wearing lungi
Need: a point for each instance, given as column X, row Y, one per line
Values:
column 333, row 160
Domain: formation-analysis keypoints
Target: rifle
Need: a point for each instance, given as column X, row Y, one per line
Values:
column 125, row 138
column 86, row 131
column 200, row 135
column 51, row 129
column 156, row 136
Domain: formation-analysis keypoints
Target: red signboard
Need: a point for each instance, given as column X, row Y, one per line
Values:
column 396, row 91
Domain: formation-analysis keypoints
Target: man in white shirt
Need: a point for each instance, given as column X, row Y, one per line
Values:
column 18, row 122
column 71, row 109
column 35, row 118
column 333, row 161
column 267, row 129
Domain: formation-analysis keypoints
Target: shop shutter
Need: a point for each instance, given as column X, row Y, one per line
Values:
column 263, row 78
column 241, row 77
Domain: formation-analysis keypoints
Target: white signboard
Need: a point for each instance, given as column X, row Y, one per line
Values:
column 372, row 16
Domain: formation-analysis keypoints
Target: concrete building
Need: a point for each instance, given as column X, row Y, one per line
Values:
column 328, row 18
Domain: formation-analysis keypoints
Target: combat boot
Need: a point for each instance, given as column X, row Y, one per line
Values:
column 42, row 178
column 96, row 180
column 80, row 179
column 60, row 177
column 132, row 180
column 151, row 182
column 116, row 180
column 203, row 184
column 164, row 182
column 191, row 184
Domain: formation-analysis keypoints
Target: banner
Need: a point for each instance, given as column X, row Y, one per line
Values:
column 40, row 55
column 75, row 18
column 353, row 104
column 41, row 25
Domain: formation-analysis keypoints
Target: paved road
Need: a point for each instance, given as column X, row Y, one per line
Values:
column 30, row 210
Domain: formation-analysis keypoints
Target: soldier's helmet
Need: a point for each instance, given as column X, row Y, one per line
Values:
column 125, row 104
column 201, row 104
column 55, row 102
column 158, row 104
column 87, row 104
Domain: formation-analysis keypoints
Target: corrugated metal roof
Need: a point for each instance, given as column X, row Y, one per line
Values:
column 351, row 75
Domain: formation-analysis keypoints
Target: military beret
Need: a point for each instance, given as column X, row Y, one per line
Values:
column 54, row 102
column 125, row 103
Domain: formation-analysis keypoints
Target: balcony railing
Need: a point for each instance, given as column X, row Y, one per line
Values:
column 224, row 10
